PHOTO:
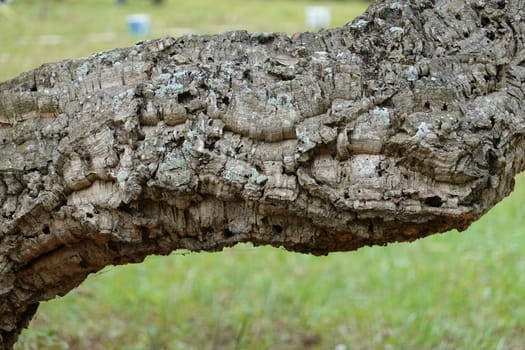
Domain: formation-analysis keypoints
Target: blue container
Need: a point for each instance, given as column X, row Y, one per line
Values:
column 138, row 24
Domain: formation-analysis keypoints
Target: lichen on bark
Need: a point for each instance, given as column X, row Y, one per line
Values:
column 405, row 122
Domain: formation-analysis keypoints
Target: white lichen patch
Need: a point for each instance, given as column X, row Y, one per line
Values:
column 232, row 175
column 257, row 178
column 383, row 114
column 119, row 99
column 359, row 24
column 396, row 6
column 84, row 68
column 169, row 89
column 397, row 30
column 379, row 21
column 122, row 176
column 411, row 73
column 187, row 146
column 422, row 129
column 172, row 161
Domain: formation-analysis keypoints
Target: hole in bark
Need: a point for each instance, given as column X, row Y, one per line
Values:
column 83, row 264
column 445, row 107
column 33, row 88
column 125, row 208
column 89, row 215
column 492, row 161
column 284, row 77
column 45, row 230
column 500, row 72
column 458, row 16
column 485, row 21
column 491, row 36
column 227, row 233
column 184, row 97
column 210, row 143
column 434, row 201
column 226, row 100
column 247, row 75
column 265, row 39
column 427, row 105
column 277, row 229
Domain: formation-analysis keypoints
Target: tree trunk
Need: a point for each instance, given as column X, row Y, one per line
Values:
column 407, row 121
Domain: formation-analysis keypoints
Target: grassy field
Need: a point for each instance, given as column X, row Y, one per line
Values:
column 452, row 291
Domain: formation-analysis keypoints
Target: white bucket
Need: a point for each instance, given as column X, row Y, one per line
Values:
column 318, row 16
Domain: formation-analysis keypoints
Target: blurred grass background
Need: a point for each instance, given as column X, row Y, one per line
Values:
column 452, row 291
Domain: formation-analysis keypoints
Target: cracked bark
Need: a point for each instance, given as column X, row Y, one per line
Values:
column 405, row 122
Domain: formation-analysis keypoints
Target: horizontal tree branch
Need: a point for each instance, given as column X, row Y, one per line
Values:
column 405, row 122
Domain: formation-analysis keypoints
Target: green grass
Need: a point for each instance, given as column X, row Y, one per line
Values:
column 451, row 291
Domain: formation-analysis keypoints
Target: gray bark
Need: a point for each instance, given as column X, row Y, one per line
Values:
column 405, row 122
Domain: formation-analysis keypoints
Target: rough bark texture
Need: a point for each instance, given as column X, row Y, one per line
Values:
column 406, row 122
